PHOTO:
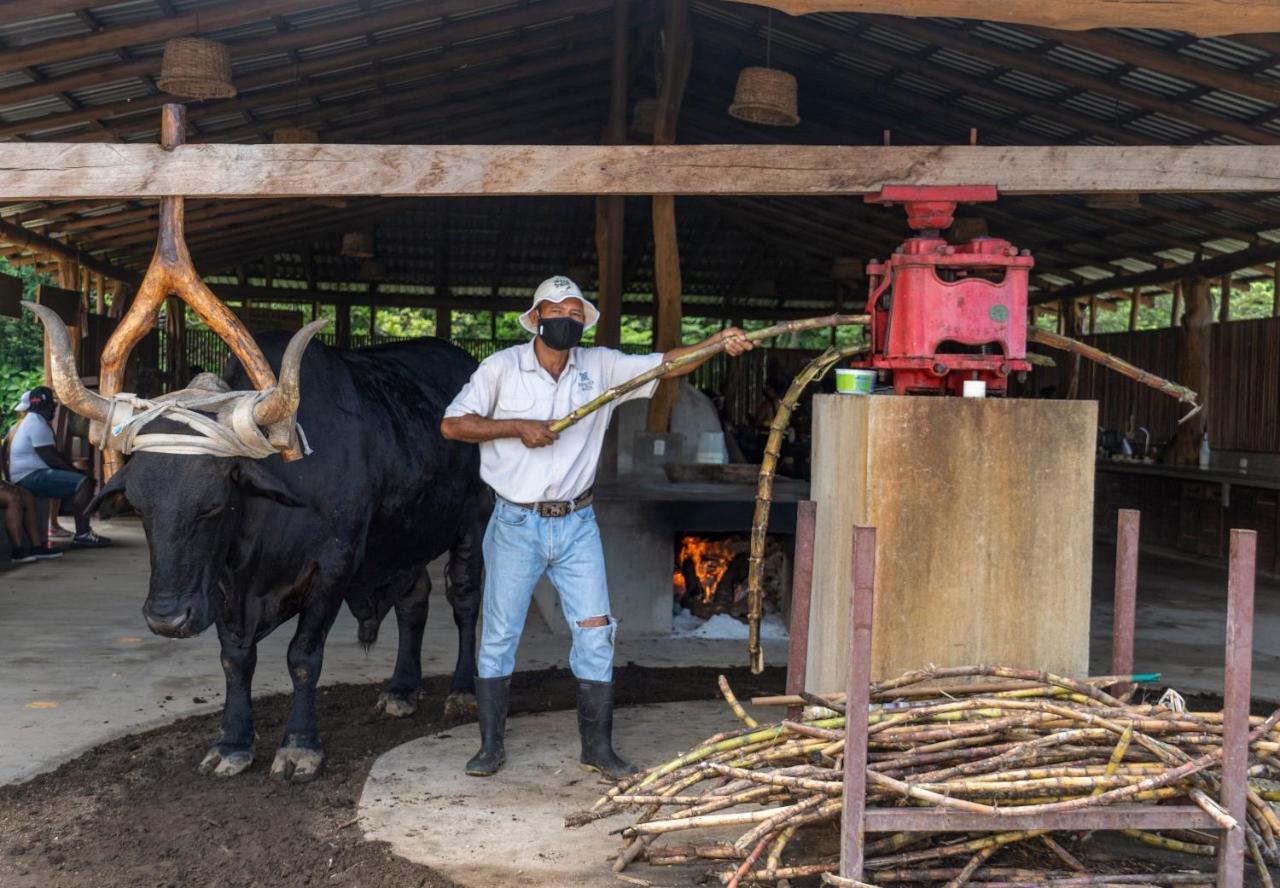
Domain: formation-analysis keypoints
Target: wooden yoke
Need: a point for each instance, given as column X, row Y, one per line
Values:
column 172, row 273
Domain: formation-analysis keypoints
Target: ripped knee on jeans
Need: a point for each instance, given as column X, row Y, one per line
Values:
column 594, row 623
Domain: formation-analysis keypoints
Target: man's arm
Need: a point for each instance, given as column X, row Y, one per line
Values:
column 735, row 340
column 53, row 459
column 476, row 429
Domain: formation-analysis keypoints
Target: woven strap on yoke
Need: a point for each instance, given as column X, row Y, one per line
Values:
column 124, row 429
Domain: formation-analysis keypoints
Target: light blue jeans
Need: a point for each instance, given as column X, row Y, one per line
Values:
column 519, row 547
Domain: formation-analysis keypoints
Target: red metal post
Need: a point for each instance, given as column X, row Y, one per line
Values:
column 801, row 589
column 1126, row 595
column 1235, row 703
column 856, row 703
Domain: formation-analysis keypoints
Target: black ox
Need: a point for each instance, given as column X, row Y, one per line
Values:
column 247, row 544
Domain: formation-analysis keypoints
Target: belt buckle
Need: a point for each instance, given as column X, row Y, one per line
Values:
column 556, row 509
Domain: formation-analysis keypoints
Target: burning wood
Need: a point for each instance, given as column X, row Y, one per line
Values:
column 710, row 575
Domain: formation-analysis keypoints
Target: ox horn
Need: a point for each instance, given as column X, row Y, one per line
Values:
column 62, row 364
column 282, row 403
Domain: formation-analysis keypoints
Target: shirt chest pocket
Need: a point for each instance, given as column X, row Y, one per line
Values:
column 515, row 399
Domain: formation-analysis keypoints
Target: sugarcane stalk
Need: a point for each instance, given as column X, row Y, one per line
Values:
column 971, row 867
column 698, row 355
column 732, row 700
column 1055, row 340
column 814, row 370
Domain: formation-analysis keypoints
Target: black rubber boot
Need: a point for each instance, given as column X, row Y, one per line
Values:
column 595, row 726
column 491, row 708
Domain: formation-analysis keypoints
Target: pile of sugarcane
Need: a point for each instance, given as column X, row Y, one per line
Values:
column 1036, row 741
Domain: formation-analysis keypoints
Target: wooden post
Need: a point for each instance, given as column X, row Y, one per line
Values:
column 444, row 323
column 1275, row 290
column 801, row 589
column 1126, row 595
column 1071, row 323
column 1093, row 314
column 373, row 321
column 1175, row 311
column 493, row 326
column 1194, row 364
column 666, row 248
column 1224, row 301
column 1235, row 703
column 342, row 327
column 610, row 211
column 857, row 699
column 1135, row 300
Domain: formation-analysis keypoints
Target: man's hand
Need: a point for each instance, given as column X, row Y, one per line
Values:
column 736, row 341
column 536, row 433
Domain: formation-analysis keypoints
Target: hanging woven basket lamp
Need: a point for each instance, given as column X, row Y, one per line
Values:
column 644, row 116
column 767, row 96
column 358, row 244
column 196, row 68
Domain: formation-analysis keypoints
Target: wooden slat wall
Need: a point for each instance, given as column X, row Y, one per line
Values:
column 1244, row 412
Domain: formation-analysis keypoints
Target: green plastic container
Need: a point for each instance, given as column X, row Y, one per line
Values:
column 854, row 382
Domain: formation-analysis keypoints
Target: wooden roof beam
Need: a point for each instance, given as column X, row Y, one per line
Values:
column 1202, row 17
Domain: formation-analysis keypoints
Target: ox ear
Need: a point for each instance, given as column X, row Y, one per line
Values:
column 254, row 480
column 110, row 500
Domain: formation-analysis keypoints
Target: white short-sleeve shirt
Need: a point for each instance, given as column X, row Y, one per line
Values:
column 32, row 432
column 511, row 384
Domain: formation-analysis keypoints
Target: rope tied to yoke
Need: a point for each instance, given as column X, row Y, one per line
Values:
column 240, row 435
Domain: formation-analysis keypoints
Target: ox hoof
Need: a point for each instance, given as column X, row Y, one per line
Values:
column 295, row 764
column 226, row 762
column 395, row 705
column 460, row 707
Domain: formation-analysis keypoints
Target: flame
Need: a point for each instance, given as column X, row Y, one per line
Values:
column 710, row 559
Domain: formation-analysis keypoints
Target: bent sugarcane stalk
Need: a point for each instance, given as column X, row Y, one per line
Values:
column 814, row 370
column 706, row 351
column 1064, row 343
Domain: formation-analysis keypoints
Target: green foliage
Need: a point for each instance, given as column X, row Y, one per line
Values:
column 13, row 382
column 21, row 347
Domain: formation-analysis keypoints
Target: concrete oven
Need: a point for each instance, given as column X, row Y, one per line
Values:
column 644, row 522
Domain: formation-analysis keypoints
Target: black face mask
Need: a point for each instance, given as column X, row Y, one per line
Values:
column 560, row 334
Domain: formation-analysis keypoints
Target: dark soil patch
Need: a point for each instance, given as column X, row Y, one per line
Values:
column 135, row 813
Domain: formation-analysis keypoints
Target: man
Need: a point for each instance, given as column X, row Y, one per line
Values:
column 36, row 465
column 543, row 522
column 19, row 507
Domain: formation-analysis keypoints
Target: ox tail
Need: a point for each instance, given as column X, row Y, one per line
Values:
column 367, row 634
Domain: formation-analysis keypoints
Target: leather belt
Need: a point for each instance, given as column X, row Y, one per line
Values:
column 558, row 508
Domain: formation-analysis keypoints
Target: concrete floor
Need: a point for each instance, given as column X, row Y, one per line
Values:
column 509, row 829
column 78, row 667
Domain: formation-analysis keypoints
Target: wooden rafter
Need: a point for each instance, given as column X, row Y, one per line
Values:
column 1202, row 17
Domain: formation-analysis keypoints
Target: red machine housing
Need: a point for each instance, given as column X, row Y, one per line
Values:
column 943, row 313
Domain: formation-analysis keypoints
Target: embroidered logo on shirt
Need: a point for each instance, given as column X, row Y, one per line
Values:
column 585, row 382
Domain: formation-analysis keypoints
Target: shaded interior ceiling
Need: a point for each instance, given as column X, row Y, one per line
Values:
column 468, row 71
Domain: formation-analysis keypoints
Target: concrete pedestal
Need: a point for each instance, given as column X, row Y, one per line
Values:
column 984, row 514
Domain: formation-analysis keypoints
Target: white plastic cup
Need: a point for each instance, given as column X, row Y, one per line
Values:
column 975, row 388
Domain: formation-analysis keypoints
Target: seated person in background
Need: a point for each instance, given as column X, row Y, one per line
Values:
column 36, row 464
column 19, row 507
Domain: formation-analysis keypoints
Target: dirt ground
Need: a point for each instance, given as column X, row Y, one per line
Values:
column 135, row 812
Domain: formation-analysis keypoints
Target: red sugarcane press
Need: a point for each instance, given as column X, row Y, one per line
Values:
column 942, row 313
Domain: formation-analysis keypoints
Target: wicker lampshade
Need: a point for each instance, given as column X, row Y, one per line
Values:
column 196, row 68
column 644, row 116
column 294, row 135
column 358, row 244
column 765, row 95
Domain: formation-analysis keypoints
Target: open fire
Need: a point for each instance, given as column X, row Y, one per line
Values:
column 710, row 574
